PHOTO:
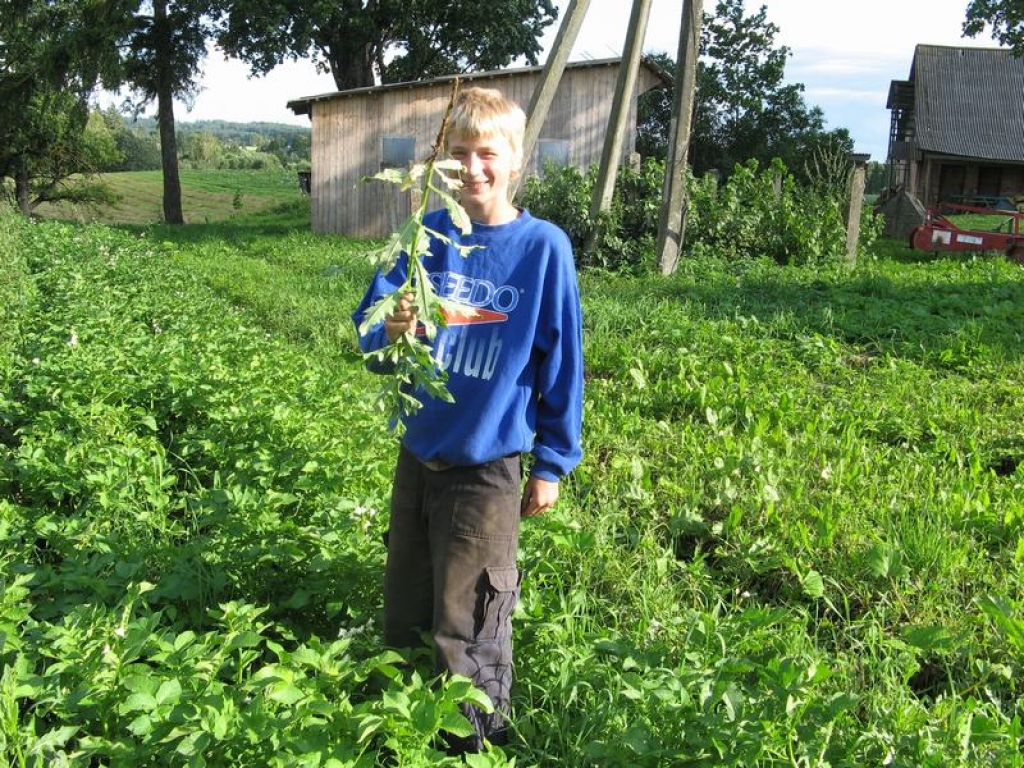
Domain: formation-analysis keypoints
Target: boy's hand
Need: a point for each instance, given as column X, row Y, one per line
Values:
column 402, row 320
column 538, row 496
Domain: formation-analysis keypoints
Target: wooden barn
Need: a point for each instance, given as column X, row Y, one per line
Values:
column 957, row 127
column 358, row 132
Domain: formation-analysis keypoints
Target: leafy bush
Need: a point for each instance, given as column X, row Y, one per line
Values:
column 243, row 160
column 764, row 214
column 563, row 194
column 757, row 213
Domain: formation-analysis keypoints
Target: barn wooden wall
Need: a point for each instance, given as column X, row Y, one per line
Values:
column 347, row 131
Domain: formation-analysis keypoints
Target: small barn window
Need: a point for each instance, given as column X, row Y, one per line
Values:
column 397, row 151
column 555, row 151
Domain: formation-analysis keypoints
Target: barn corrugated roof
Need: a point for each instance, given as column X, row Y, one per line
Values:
column 304, row 106
column 969, row 102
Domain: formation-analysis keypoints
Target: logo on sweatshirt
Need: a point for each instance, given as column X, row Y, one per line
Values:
column 486, row 303
column 492, row 303
column 476, row 357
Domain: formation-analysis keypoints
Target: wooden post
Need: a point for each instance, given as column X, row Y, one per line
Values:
column 626, row 83
column 672, row 221
column 856, row 204
column 551, row 75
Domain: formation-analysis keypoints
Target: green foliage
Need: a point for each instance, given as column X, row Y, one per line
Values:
column 756, row 213
column 794, row 539
column 393, row 40
column 654, row 113
column 1004, row 17
column 743, row 108
column 163, row 48
column 563, row 194
column 245, row 160
column 17, row 288
column 877, row 178
column 54, row 54
column 138, row 147
column 205, row 528
column 763, row 213
column 207, row 144
column 200, row 149
column 52, row 144
column 99, row 144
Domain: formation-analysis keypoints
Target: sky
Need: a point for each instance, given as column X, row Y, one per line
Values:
column 844, row 53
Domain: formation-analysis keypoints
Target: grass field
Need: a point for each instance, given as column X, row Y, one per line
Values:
column 796, row 537
column 207, row 196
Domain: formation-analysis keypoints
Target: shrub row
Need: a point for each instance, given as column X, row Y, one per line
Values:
column 756, row 213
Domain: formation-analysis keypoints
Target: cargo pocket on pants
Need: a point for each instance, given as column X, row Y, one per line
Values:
column 500, row 594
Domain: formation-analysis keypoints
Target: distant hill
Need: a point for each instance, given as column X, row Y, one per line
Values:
column 239, row 134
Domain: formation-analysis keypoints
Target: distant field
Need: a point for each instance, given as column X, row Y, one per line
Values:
column 207, row 196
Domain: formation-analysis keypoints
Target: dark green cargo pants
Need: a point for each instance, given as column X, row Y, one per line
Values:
column 451, row 572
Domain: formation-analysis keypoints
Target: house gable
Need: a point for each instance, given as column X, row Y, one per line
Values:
column 957, row 127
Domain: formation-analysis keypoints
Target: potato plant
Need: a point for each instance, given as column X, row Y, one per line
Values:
column 796, row 537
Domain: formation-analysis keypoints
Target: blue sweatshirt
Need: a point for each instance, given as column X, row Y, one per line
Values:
column 515, row 368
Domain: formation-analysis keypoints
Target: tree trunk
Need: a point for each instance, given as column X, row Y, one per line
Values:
column 22, row 188
column 349, row 47
column 169, row 158
column 165, row 118
column 352, row 65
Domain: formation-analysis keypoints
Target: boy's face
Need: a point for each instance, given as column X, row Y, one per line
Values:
column 490, row 166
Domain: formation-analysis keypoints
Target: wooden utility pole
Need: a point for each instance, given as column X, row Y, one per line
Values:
column 610, row 155
column 856, row 205
column 672, row 221
column 551, row 75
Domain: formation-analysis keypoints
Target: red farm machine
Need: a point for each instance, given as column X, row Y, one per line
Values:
column 940, row 233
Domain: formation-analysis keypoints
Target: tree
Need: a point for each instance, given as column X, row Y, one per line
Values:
column 52, row 54
column 1005, row 17
column 71, row 143
column 876, row 178
column 654, row 112
column 166, row 44
column 743, row 110
column 361, row 42
column 202, row 149
column 137, row 147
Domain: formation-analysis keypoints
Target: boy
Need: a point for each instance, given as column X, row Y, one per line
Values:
column 515, row 370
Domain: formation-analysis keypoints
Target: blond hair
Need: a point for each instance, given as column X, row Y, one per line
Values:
column 480, row 112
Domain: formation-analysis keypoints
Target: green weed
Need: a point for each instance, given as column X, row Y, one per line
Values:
column 795, row 539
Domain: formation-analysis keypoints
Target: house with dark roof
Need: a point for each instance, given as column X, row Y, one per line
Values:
column 957, row 126
column 358, row 132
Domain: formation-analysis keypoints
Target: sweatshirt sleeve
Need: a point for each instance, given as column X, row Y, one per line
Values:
column 557, row 443
column 375, row 337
